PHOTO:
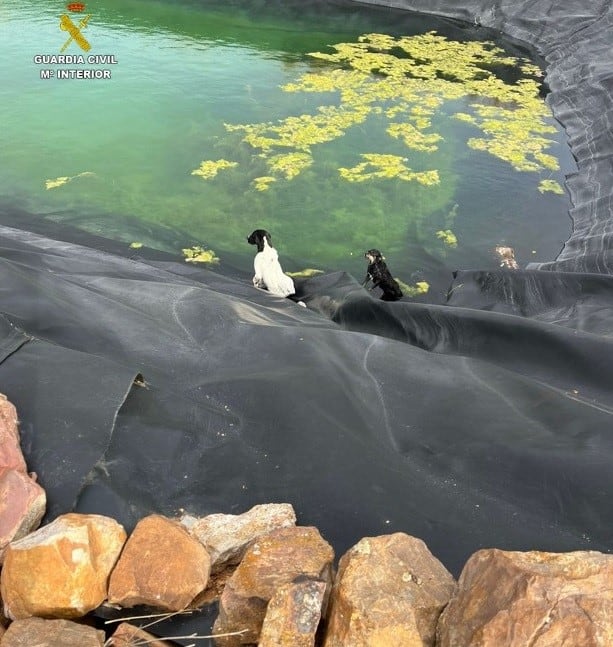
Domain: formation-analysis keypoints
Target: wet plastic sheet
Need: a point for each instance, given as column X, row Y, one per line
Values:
column 500, row 437
column 66, row 403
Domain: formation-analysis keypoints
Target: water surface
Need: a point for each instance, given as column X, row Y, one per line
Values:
column 185, row 69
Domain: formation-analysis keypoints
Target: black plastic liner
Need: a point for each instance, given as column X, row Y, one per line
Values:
column 460, row 424
column 482, row 421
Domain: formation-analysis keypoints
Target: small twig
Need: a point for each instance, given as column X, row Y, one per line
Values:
column 150, row 615
column 142, row 641
column 166, row 617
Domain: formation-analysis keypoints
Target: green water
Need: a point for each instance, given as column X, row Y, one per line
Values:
column 186, row 69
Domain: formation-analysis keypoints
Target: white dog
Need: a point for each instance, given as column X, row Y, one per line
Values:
column 268, row 272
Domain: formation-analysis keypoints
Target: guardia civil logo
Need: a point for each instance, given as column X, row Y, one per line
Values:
column 74, row 30
column 78, row 42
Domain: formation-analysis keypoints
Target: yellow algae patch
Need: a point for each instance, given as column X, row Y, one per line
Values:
column 421, row 287
column 289, row 165
column 387, row 166
column 209, row 168
column 406, row 80
column 197, row 254
column 414, row 138
column 305, row 273
column 552, row 186
column 302, row 132
column 60, row 181
column 448, row 237
column 263, row 183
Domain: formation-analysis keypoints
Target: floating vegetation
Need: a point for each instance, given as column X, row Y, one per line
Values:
column 305, row 273
column 60, row 181
column 421, row 287
column 448, row 237
column 197, row 254
column 414, row 138
column 263, row 183
column 387, row 166
column 289, row 165
column 405, row 80
column 552, row 186
column 209, row 168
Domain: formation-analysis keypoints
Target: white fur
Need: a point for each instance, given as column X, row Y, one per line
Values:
column 268, row 272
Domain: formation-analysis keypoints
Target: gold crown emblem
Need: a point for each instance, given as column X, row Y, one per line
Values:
column 75, row 6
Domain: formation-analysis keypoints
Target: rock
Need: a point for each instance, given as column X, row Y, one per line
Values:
column 514, row 599
column 4, row 621
column 22, row 506
column 162, row 566
column 127, row 635
column 36, row 632
column 389, row 591
column 214, row 588
column 227, row 536
column 293, row 615
column 10, row 448
column 61, row 570
column 273, row 560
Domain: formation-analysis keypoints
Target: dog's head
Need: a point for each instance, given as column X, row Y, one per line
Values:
column 373, row 256
column 258, row 237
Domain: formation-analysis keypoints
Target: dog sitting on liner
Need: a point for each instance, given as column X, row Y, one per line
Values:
column 381, row 277
column 268, row 272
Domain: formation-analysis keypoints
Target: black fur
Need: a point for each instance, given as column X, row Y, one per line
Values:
column 257, row 238
column 380, row 276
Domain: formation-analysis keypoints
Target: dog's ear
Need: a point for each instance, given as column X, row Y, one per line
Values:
column 258, row 237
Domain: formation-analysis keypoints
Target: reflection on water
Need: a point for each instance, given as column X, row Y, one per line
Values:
column 121, row 152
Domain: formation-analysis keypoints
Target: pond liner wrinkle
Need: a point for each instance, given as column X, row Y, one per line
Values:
column 11, row 338
column 68, row 402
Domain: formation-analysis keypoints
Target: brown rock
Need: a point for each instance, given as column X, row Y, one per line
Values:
column 4, row 621
column 10, row 449
column 22, row 506
column 515, row 599
column 270, row 562
column 227, row 536
column 61, row 570
column 162, row 566
column 389, row 591
column 293, row 615
column 127, row 635
column 214, row 588
column 36, row 632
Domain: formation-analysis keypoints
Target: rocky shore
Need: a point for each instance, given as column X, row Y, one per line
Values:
column 276, row 583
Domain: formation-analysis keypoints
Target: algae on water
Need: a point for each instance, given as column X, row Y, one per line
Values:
column 198, row 254
column 406, row 80
column 409, row 89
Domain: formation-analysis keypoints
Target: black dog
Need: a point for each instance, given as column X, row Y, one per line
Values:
column 380, row 276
